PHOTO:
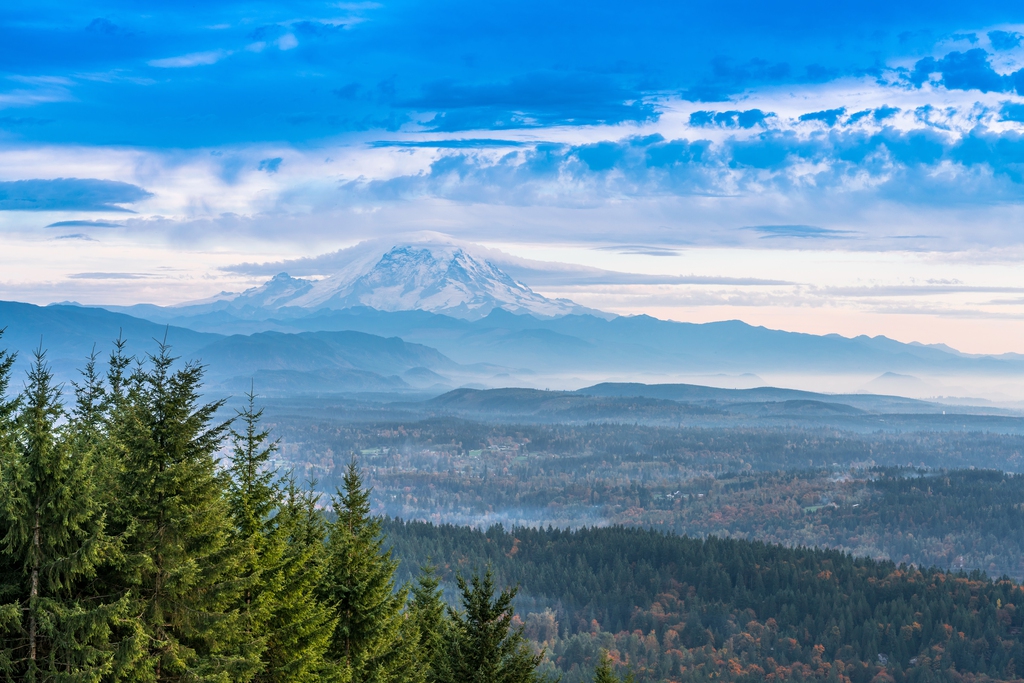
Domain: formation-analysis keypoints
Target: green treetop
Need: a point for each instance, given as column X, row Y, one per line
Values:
column 280, row 539
column 54, row 539
column 603, row 672
column 373, row 639
column 180, row 566
column 301, row 625
column 482, row 646
column 430, row 617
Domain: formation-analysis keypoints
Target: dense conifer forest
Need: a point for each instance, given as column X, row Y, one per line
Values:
column 130, row 552
column 682, row 609
column 147, row 534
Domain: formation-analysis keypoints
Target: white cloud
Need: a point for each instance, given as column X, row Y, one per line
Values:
column 192, row 59
column 38, row 90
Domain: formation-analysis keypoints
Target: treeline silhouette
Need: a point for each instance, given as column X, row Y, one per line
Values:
column 130, row 552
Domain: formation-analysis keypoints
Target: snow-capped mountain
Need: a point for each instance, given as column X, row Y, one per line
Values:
column 276, row 292
column 437, row 278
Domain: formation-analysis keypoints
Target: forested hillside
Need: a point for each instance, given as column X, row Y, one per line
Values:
column 835, row 489
column 685, row 609
column 953, row 519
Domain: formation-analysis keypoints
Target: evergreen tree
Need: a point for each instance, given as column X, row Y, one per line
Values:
column 179, row 564
column 279, row 535
column 53, row 542
column 10, row 612
column 428, row 614
column 603, row 671
column 427, row 609
column 90, row 401
column 253, row 498
column 89, row 418
column 482, row 646
column 301, row 625
column 373, row 641
column 253, row 492
column 8, row 405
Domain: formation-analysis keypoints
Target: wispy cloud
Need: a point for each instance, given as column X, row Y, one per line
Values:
column 36, row 90
column 191, row 59
column 75, row 236
column 69, row 194
column 109, row 276
column 639, row 249
column 885, row 291
column 457, row 143
column 287, row 42
column 800, row 231
column 84, row 224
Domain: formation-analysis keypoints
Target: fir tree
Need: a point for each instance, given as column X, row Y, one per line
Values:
column 117, row 372
column 301, row 625
column 253, row 492
column 253, row 497
column 179, row 564
column 603, row 672
column 89, row 418
column 482, row 646
column 54, row 540
column 10, row 573
column 428, row 613
column 8, row 405
column 279, row 535
column 373, row 641
column 90, row 400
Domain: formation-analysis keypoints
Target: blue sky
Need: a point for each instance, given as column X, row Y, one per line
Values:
column 187, row 137
column 185, row 75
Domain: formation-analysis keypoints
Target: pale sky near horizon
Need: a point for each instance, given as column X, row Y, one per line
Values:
column 858, row 170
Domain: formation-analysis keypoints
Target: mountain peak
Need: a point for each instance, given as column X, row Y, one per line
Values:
column 276, row 292
column 440, row 278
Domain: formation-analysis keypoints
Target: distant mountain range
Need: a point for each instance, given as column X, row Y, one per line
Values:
column 308, row 362
column 69, row 334
column 591, row 345
column 430, row 318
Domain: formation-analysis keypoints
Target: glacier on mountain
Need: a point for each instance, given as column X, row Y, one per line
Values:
column 444, row 279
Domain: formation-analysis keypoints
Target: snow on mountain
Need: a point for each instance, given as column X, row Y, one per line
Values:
column 276, row 292
column 443, row 278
